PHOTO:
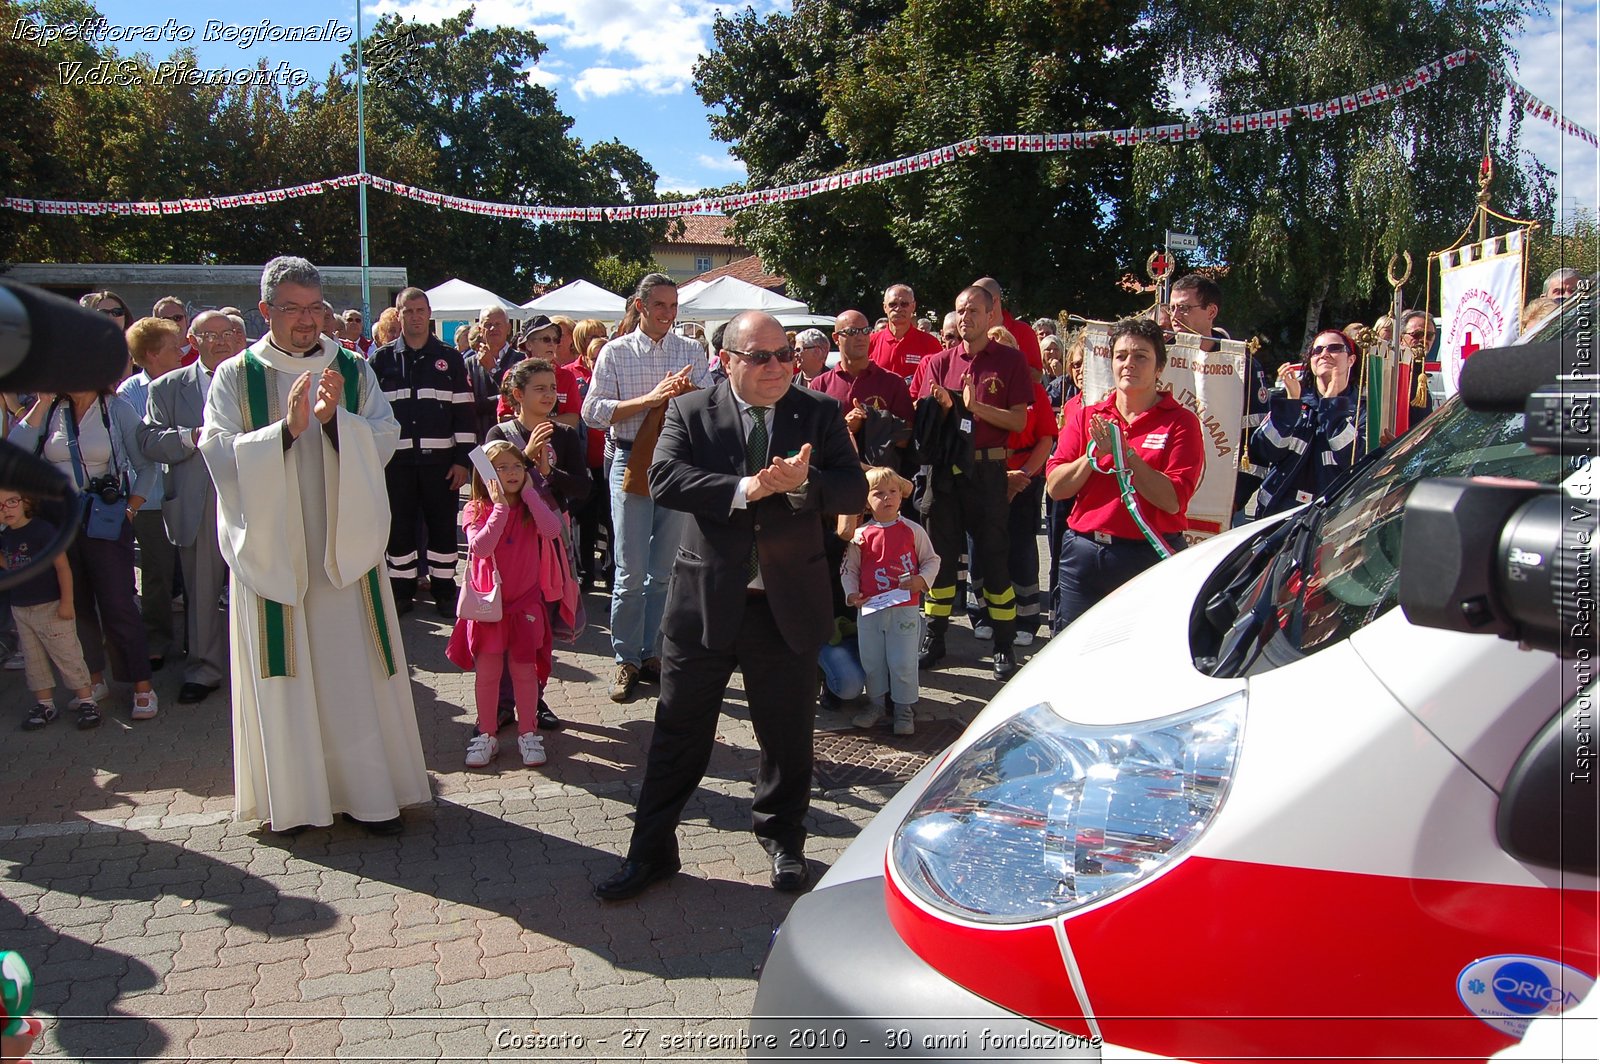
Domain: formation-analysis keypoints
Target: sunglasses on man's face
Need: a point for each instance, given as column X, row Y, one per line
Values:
column 761, row 358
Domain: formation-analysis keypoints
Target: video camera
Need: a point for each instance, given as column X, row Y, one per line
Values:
column 50, row 344
column 1511, row 557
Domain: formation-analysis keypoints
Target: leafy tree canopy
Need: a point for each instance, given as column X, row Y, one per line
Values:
column 452, row 109
column 1304, row 221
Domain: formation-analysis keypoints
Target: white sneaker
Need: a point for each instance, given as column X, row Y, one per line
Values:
column 1023, row 639
column 100, row 692
column 531, row 746
column 983, row 630
column 145, row 705
column 482, row 750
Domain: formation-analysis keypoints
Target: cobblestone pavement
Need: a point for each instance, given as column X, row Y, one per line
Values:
column 158, row 929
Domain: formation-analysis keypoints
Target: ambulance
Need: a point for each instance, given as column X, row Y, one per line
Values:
column 1243, row 809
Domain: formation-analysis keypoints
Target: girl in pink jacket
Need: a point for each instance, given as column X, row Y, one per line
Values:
column 513, row 529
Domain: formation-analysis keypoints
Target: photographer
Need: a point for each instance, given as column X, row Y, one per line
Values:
column 1309, row 438
column 92, row 437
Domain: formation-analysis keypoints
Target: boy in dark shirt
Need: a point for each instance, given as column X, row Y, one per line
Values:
column 42, row 606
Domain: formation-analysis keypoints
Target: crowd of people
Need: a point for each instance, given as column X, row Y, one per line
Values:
column 806, row 506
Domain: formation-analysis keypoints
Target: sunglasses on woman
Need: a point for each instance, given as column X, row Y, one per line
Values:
column 1332, row 349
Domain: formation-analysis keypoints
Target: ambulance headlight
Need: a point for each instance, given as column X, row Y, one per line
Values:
column 1042, row 815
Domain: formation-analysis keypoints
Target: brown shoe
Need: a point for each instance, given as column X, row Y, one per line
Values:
column 650, row 670
column 627, row 679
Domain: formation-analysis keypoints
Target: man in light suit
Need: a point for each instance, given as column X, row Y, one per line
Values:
column 169, row 434
column 760, row 466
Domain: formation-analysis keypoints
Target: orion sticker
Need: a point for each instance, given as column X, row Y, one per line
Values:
column 1510, row 990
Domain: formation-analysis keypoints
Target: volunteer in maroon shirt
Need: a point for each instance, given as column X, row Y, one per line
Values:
column 862, row 386
column 1103, row 547
column 983, row 391
column 901, row 347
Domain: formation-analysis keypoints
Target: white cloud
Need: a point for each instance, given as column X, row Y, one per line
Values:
column 723, row 163
column 1557, row 62
column 631, row 46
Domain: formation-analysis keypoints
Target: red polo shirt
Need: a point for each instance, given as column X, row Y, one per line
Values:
column 1027, row 340
column 901, row 356
column 876, row 388
column 999, row 377
column 1041, row 425
column 1168, row 436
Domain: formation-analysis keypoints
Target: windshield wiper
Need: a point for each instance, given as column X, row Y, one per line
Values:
column 1246, row 636
column 1222, row 608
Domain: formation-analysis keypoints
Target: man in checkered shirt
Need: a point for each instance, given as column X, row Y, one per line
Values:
column 634, row 374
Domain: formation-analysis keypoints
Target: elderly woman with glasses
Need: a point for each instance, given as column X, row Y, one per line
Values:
column 1309, row 438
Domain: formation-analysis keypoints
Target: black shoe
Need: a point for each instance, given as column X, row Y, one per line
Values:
column 191, row 693
column 445, row 609
column 650, row 670
column 42, row 714
column 506, row 717
column 403, row 606
column 634, row 878
column 157, row 662
column 392, row 826
column 828, row 700
column 548, row 721
column 932, row 651
column 1004, row 664
column 288, row 833
column 789, row 872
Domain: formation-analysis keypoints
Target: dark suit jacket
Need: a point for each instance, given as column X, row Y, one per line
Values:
column 696, row 468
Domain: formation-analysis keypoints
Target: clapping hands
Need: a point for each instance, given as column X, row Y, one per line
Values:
column 781, row 475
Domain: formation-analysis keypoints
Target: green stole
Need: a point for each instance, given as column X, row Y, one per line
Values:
column 277, row 619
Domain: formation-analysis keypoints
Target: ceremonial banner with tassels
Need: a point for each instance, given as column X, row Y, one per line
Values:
column 1481, row 301
column 277, row 619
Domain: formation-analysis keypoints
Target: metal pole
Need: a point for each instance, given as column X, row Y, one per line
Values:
column 361, row 185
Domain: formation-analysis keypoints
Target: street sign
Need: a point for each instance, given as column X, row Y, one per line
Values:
column 1182, row 241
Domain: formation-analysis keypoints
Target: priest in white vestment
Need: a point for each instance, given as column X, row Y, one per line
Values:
column 296, row 437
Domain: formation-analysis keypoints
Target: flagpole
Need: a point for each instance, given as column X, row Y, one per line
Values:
column 361, row 185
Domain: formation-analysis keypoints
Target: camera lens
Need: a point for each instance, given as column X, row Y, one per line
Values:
column 1545, row 572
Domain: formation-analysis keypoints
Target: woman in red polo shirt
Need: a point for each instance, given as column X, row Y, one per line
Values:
column 1103, row 546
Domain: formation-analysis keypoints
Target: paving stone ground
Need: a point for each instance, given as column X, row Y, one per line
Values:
column 159, row 929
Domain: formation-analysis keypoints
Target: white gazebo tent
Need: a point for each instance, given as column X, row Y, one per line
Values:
column 578, row 300
column 728, row 296
column 457, row 300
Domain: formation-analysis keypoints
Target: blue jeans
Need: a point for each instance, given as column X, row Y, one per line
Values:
column 841, row 669
column 645, row 540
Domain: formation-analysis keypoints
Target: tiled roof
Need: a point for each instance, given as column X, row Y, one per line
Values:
column 705, row 230
column 749, row 269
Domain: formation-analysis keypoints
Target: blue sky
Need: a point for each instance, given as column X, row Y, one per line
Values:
column 622, row 68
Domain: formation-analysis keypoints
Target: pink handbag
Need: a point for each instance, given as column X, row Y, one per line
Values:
column 475, row 604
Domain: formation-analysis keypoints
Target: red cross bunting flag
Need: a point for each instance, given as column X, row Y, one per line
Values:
column 1481, row 297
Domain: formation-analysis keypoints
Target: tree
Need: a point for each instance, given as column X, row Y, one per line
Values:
column 497, row 136
column 1307, row 219
column 453, row 111
column 1574, row 244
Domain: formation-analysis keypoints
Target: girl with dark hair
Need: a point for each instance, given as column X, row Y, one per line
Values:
column 1309, row 438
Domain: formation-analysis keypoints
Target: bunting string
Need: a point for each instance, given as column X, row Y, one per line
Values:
column 1173, row 133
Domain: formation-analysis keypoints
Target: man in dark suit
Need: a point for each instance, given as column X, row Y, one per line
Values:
column 171, row 428
column 757, row 463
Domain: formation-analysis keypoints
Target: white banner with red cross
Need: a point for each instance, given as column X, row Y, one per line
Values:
column 1210, row 383
column 1481, row 301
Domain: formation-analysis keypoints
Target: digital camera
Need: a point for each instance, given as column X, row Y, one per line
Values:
column 106, row 488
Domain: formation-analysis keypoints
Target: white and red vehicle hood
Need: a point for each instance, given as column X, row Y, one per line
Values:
column 1350, row 882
